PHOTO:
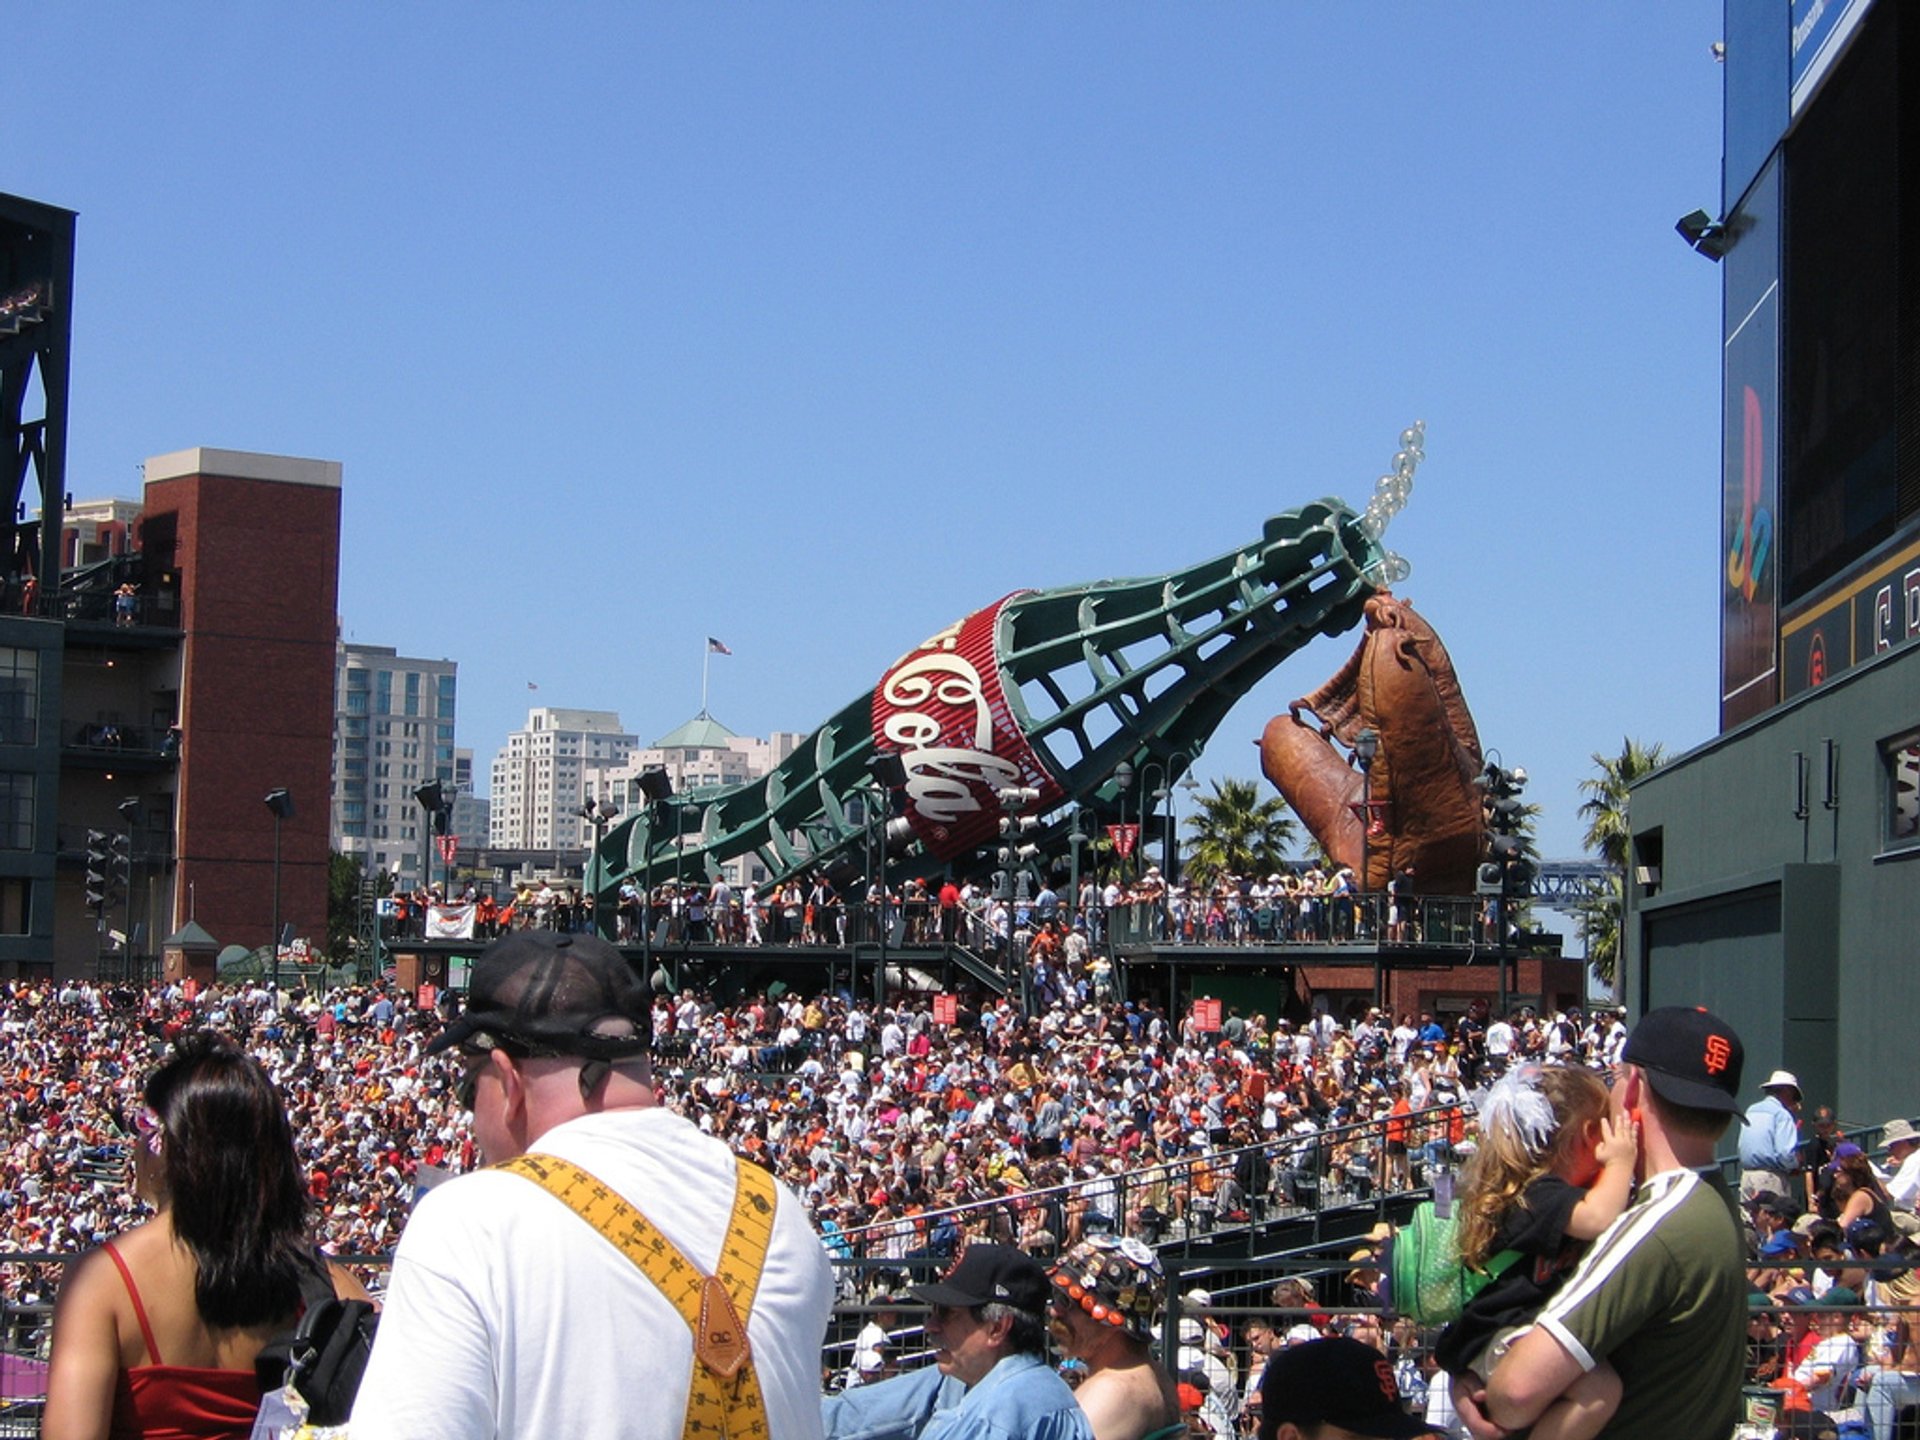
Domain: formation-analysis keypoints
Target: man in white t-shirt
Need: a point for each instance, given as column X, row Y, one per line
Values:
column 1499, row 1042
column 509, row 1313
column 1903, row 1153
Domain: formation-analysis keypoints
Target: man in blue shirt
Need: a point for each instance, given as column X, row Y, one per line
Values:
column 1770, row 1139
column 990, row 1379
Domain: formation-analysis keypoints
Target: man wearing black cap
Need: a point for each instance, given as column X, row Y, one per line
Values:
column 1333, row 1389
column 623, row 1275
column 990, row 1380
column 1662, row 1292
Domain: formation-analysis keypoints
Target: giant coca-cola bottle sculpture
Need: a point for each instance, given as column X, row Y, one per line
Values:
column 1041, row 689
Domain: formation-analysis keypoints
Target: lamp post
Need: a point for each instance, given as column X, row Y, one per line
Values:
column 1366, row 748
column 1076, row 837
column 886, row 772
column 657, row 786
column 1122, row 783
column 598, row 814
column 130, row 812
column 433, row 799
column 280, row 802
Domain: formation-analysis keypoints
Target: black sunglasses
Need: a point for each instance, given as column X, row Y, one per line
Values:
column 478, row 1046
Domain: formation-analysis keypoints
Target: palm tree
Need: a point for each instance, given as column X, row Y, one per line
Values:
column 1235, row 831
column 1609, row 833
column 1605, row 808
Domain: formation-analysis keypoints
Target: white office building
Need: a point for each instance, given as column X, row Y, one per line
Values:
column 702, row 754
column 538, row 777
column 392, row 733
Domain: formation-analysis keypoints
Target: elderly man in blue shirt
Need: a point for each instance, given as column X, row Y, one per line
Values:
column 1770, row 1140
column 990, row 1379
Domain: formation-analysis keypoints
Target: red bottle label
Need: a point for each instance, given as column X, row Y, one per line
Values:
column 942, row 709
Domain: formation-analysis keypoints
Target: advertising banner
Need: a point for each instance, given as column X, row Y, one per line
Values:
column 1124, row 838
column 1750, row 489
column 942, row 709
column 946, row 1010
column 1206, row 1016
column 1874, row 609
column 1821, row 29
column 450, row 922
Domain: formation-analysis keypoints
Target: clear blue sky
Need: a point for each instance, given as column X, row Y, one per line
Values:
column 814, row 327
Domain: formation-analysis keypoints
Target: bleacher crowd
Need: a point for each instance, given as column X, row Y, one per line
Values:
column 905, row 1136
column 873, row 1114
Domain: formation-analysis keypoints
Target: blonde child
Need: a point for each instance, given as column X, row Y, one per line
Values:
column 1553, row 1169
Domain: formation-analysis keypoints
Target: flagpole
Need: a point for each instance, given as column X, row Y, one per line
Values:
column 706, row 660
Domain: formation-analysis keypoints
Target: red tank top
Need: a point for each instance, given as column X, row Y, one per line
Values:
column 178, row 1402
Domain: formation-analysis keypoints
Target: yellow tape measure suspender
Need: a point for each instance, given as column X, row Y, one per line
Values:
column 725, row 1400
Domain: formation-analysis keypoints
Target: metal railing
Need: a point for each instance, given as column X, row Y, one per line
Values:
column 1182, row 1201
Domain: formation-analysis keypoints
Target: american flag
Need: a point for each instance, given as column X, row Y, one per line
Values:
column 715, row 647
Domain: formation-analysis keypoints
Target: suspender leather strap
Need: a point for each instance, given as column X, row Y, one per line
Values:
column 725, row 1402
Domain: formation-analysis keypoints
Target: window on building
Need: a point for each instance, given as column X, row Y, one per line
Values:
column 1903, row 791
column 19, row 696
column 383, row 693
column 16, row 905
column 356, row 702
column 16, row 811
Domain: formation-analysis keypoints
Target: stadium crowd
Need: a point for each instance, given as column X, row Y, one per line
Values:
column 906, row 1136
column 873, row 1114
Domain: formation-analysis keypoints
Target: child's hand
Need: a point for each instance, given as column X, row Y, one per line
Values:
column 1619, row 1141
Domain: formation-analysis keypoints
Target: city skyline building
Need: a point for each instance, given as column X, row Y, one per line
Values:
column 700, row 754
column 536, row 780
column 393, row 732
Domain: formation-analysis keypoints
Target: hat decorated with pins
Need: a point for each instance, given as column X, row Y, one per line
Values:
column 1118, row 1281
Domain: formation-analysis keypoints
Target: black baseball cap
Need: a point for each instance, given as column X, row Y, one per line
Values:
column 990, row 1275
column 1336, row 1381
column 1691, row 1056
column 555, row 994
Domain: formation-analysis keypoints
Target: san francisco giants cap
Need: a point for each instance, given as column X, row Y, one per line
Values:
column 1340, row 1382
column 1691, row 1056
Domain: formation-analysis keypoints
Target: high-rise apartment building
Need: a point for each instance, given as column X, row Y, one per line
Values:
column 700, row 755
column 392, row 733
column 696, row 756
column 537, row 786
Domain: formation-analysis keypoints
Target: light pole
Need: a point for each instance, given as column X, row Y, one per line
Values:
column 1013, row 889
column 280, row 802
column 1076, row 837
column 130, row 812
column 598, row 814
column 657, row 786
column 433, row 799
column 886, row 772
column 1366, row 748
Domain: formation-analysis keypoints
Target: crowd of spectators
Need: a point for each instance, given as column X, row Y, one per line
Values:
column 905, row 1136
column 876, row 1115
column 1305, row 905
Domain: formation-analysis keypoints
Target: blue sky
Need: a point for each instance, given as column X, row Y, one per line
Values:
column 814, row 328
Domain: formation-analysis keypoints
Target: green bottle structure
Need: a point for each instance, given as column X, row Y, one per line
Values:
column 1043, row 690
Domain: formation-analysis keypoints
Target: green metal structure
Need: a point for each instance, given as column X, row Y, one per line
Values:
column 1051, row 688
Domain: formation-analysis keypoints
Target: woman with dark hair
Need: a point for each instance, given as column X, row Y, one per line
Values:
column 156, row 1332
column 1857, row 1191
